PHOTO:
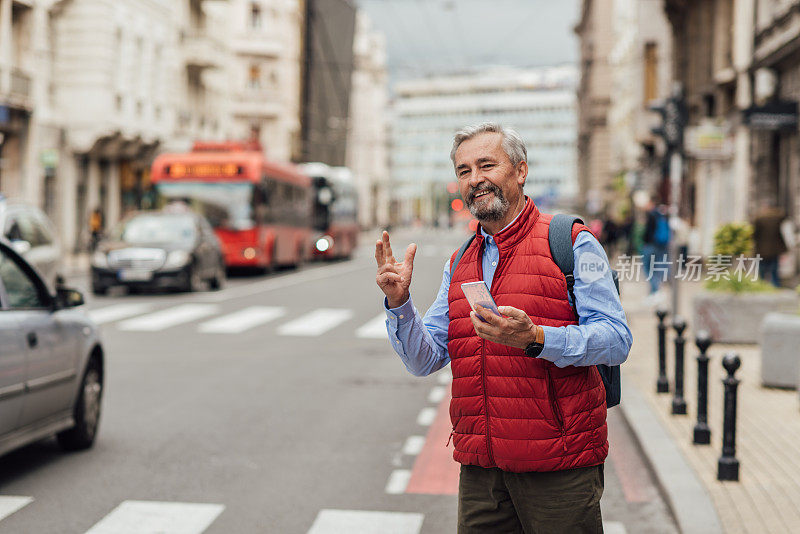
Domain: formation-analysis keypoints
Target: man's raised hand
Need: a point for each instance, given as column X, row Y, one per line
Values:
column 394, row 278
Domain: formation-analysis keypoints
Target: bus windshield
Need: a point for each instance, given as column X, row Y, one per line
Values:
column 225, row 205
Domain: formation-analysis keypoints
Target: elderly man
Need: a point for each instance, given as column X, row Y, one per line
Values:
column 528, row 407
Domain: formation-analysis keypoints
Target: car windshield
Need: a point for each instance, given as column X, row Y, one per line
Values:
column 223, row 204
column 156, row 228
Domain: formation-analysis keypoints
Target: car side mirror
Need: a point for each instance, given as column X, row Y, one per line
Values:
column 20, row 246
column 69, row 298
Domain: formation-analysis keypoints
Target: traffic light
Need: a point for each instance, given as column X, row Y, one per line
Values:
column 673, row 122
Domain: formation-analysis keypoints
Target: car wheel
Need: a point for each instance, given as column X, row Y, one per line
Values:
column 218, row 281
column 194, row 282
column 86, row 411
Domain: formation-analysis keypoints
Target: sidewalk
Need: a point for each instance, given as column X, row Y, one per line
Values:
column 767, row 497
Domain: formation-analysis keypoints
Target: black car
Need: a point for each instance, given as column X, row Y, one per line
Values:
column 159, row 250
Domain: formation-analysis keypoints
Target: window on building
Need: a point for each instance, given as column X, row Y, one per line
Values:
column 254, row 78
column 255, row 16
column 650, row 72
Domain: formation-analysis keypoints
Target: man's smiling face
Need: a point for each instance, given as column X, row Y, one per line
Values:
column 490, row 184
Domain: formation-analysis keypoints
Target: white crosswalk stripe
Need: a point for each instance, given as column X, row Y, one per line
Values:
column 10, row 504
column 161, row 320
column 242, row 320
column 366, row 522
column 375, row 329
column 398, row 481
column 316, row 323
column 614, row 527
column 151, row 517
column 119, row 311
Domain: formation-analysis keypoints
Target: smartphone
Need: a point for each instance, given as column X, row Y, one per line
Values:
column 478, row 293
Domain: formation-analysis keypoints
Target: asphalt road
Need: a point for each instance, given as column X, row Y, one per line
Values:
column 274, row 405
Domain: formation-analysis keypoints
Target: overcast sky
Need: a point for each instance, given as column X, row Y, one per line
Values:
column 434, row 36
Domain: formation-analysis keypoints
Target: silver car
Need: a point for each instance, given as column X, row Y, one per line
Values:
column 51, row 361
column 33, row 236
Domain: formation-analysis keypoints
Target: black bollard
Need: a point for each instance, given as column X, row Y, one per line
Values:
column 678, row 402
column 702, row 432
column 662, row 384
column 728, row 466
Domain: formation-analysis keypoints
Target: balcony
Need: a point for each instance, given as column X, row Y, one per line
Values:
column 259, row 45
column 15, row 87
column 202, row 51
column 261, row 103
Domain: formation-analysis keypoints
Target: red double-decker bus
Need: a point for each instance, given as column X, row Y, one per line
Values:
column 260, row 209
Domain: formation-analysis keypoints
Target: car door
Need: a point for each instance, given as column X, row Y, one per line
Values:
column 50, row 347
column 12, row 371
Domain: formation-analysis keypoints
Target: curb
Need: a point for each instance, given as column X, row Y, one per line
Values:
column 685, row 494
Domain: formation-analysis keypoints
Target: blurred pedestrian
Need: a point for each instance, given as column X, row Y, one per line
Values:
column 528, row 406
column 655, row 243
column 96, row 225
column 610, row 236
column 768, row 240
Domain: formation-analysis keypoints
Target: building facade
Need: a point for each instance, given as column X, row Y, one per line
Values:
column 595, row 32
column 94, row 90
column 367, row 135
column 327, row 77
column 713, row 52
column 641, row 76
column 266, row 39
column 539, row 103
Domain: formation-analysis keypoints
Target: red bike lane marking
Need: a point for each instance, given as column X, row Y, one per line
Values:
column 627, row 463
column 435, row 472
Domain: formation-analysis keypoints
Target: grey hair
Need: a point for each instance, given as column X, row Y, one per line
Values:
column 512, row 142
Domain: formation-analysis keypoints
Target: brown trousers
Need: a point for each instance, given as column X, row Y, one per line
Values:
column 495, row 501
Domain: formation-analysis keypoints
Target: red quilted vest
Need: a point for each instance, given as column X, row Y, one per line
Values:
column 510, row 410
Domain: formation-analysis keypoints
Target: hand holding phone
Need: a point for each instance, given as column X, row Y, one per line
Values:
column 477, row 293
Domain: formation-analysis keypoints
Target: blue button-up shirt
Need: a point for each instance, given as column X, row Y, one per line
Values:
column 602, row 335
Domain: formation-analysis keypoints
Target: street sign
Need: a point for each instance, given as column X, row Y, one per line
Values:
column 708, row 141
column 49, row 158
column 780, row 115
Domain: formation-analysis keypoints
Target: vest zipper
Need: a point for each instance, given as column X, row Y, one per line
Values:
column 486, row 403
column 556, row 409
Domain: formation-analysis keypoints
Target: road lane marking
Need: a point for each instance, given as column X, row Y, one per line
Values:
column 413, row 445
column 118, row 311
column 242, row 320
column 366, row 522
column 375, row 329
column 151, row 517
column 398, row 481
column 437, row 394
column 426, row 416
column 315, row 323
column 164, row 319
column 10, row 504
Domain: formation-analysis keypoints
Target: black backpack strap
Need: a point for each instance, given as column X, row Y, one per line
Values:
column 560, row 238
column 460, row 253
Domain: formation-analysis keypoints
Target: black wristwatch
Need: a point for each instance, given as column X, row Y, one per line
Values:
column 534, row 349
